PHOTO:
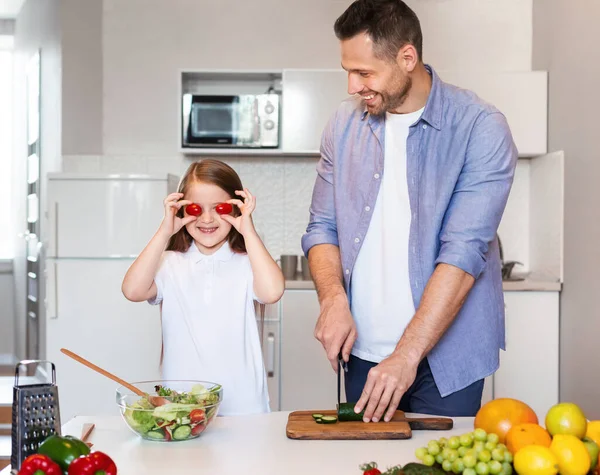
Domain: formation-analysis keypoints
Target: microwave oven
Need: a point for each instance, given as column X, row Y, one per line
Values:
column 248, row 120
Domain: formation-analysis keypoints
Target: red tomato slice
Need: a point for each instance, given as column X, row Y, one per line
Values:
column 198, row 429
column 193, row 209
column 197, row 415
column 224, row 208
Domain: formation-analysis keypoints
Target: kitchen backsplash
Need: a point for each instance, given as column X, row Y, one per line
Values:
column 283, row 187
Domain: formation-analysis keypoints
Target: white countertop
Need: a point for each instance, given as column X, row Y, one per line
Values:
column 248, row 444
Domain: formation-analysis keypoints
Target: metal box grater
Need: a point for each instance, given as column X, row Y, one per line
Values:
column 35, row 415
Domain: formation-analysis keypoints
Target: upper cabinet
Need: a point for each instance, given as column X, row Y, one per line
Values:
column 309, row 97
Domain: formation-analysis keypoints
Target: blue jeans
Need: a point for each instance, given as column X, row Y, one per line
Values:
column 423, row 396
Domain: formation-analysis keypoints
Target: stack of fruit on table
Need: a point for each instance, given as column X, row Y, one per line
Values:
column 508, row 439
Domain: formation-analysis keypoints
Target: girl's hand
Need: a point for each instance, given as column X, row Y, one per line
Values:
column 242, row 223
column 172, row 223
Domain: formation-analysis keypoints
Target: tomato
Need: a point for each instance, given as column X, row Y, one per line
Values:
column 372, row 471
column 224, row 208
column 197, row 415
column 198, row 429
column 193, row 209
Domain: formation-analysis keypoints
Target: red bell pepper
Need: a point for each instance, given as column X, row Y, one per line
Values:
column 96, row 463
column 38, row 464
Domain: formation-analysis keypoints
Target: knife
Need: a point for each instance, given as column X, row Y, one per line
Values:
column 342, row 366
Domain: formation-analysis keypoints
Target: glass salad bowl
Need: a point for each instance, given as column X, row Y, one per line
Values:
column 171, row 410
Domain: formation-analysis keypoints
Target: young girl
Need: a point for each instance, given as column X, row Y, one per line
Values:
column 214, row 267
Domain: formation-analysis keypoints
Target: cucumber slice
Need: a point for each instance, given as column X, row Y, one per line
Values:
column 329, row 420
column 182, row 432
column 317, row 416
column 346, row 412
column 156, row 434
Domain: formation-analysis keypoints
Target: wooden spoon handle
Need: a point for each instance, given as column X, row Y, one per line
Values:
column 103, row 372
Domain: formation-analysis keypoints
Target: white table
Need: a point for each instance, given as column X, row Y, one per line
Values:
column 250, row 445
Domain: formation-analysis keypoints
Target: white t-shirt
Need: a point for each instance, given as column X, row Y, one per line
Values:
column 382, row 304
column 209, row 325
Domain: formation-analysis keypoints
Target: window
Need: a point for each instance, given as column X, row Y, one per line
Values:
column 7, row 230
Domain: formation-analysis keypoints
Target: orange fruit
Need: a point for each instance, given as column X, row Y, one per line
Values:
column 566, row 418
column 535, row 460
column 499, row 415
column 593, row 431
column 522, row 435
column 573, row 458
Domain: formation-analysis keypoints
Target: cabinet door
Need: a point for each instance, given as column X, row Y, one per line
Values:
column 271, row 347
column 307, row 380
column 309, row 99
column 529, row 366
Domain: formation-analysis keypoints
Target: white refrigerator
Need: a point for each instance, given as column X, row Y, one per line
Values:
column 97, row 225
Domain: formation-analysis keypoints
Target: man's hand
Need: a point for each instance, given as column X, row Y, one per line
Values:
column 336, row 329
column 386, row 384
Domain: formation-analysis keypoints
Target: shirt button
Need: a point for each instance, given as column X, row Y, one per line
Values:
column 356, row 240
column 367, row 208
column 347, row 271
column 424, row 126
column 376, row 176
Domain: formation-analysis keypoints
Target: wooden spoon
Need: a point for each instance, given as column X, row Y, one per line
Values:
column 85, row 433
column 154, row 400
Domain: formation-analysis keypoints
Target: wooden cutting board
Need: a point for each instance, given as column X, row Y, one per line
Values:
column 301, row 425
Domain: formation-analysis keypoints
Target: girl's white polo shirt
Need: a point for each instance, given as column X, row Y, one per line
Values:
column 209, row 325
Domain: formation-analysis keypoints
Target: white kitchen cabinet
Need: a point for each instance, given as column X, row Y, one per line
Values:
column 307, row 380
column 529, row 366
column 310, row 97
column 271, row 346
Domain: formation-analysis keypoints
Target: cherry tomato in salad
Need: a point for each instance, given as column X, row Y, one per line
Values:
column 197, row 415
column 198, row 429
column 193, row 209
column 224, row 208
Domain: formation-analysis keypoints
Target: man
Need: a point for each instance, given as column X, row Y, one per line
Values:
column 412, row 183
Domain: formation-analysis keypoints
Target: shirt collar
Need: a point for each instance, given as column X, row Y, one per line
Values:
column 224, row 253
column 433, row 108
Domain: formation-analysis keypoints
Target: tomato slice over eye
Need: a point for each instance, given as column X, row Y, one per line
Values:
column 224, row 208
column 193, row 209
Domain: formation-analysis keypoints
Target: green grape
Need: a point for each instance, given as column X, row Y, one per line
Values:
column 462, row 451
column 498, row 454
column 470, row 460
column 490, row 445
column 446, row 452
column 454, row 442
column 443, row 441
column 482, row 468
column 447, row 465
column 452, row 456
column 428, row 460
column 508, row 457
column 501, row 446
column 458, row 466
column 469, row 471
column 433, row 447
column 507, row 468
column 480, row 434
column 421, row 452
column 495, row 467
column 479, row 446
column 466, row 440
column 484, row 456
column 493, row 438
column 439, row 458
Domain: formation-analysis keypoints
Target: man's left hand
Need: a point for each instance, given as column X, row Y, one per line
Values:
column 386, row 384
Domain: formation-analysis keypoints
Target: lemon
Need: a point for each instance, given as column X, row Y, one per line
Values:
column 593, row 431
column 566, row 418
column 535, row 460
column 573, row 458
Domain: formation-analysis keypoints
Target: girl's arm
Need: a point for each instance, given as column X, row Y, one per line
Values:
column 138, row 284
column 269, row 282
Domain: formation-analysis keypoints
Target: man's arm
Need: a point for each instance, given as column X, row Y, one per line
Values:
column 471, row 222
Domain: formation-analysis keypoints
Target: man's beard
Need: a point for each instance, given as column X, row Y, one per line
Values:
column 391, row 100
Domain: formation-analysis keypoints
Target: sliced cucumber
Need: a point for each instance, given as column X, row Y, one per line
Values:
column 182, row 432
column 346, row 412
column 317, row 417
column 156, row 434
column 329, row 420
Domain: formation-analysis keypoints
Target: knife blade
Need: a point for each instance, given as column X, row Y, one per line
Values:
column 342, row 366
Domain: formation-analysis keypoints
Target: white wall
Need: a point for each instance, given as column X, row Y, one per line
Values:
column 573, row 127
column 37, row 27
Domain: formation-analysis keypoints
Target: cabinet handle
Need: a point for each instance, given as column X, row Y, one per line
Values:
column 271, row 355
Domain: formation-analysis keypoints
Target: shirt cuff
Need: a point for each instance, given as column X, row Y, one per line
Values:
column 462, row 255
column 318, row 237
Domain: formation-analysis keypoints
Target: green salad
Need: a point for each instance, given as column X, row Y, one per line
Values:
column 172, row 415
